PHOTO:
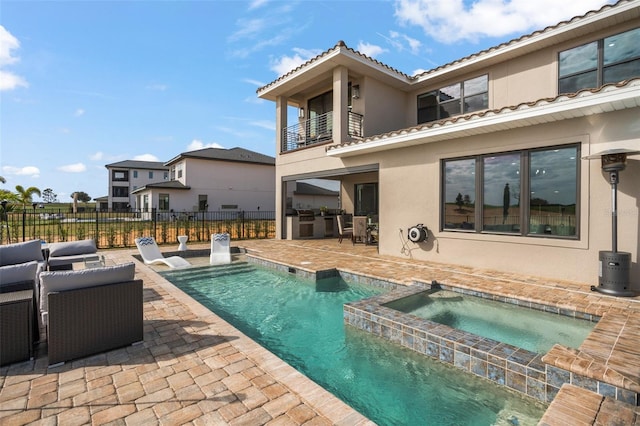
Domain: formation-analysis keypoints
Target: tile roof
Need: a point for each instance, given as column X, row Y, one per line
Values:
column 233, row 154
column 167, row 184
column 135, row 164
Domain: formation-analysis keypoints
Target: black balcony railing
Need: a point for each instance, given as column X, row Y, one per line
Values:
column 119, row 229
column 316, row 130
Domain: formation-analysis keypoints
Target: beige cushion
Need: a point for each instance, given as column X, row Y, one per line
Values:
column 11, row 254
column 55, row 281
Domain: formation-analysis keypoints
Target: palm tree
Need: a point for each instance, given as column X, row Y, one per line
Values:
column 25, row 196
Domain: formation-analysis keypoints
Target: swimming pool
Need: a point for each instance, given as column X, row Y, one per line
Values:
column 301, row 321
column 530, row 329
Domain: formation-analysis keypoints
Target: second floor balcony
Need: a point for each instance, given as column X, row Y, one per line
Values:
column 316, row 130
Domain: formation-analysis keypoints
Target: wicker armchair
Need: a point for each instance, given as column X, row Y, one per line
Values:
column 90, row 311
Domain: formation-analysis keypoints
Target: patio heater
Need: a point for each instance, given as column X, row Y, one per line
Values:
column 615, row 266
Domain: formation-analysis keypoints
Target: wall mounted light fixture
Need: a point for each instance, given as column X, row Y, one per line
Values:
column 355, row 91
column 301, row 112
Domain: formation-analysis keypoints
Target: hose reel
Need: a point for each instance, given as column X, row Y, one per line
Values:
column 418, row 233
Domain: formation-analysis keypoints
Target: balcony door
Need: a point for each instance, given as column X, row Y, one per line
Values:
column 320, row 124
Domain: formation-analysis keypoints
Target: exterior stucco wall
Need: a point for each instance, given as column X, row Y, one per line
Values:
column 410, row 184
column 248, row 185
column 384, row 107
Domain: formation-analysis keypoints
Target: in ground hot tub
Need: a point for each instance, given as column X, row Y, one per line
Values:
column 501, row 362
column 531, row 329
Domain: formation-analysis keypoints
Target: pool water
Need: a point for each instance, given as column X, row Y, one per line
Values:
column 301, row 321
column 530, row 329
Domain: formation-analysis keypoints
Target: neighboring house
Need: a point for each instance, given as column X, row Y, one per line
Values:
column 306, row 196
column 129, row 175
column 212, row 179
column 485, row 151
column 102, row 203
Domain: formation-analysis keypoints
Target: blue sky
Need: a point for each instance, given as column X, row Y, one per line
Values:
column 87, row 83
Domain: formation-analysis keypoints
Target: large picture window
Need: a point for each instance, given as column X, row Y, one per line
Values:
column 599, row 62
column 456, row 99
column 531, row 192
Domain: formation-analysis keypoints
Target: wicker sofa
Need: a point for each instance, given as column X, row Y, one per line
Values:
column 62, row 255
column 90, row 311
column 20, row 266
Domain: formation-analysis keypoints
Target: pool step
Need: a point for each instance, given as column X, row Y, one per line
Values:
column 209, row 271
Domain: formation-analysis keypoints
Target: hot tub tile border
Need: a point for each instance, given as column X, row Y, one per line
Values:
column 516, row 368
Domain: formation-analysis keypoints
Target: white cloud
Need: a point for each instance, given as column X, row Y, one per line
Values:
column 73, row 168
column 264, row 124
column 97, row 156
column 370, row 50
column 8, row 43
column 157, row 87
column 402, row 42
column 254, row 82
column 31, row 171
column 79, row 112
column 449, row 21
column 249, row 28
column 198, row 144
column 255, row 4
column 284, row 64
column 146, row 157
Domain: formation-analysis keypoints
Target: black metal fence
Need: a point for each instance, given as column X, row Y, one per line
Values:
column 120, row 229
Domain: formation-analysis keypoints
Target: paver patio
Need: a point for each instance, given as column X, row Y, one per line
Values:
column 194, row 368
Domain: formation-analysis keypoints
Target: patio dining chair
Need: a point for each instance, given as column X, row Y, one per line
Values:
column 360, row 229
column 344, row 231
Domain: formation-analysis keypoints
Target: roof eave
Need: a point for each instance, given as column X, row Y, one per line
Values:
column 323, row 66
column 563, row 108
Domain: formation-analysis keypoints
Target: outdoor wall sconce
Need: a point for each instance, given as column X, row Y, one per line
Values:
column 355, row 91
column 615, row 266
column 301, row 112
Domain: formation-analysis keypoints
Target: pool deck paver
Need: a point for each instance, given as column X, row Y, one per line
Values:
column 194, row 368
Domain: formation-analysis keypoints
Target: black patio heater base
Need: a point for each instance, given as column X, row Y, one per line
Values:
column 615, row 273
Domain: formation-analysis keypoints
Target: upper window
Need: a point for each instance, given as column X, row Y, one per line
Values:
column 120, row 175
column 530, row 192
column 460, row 98
column 135, row 174
column 608, row 60
column 150, row 175
column 119, row 191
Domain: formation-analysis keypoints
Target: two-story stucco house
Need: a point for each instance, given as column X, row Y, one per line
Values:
column 127, row 176
column 487, row 151
column 212, row 179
